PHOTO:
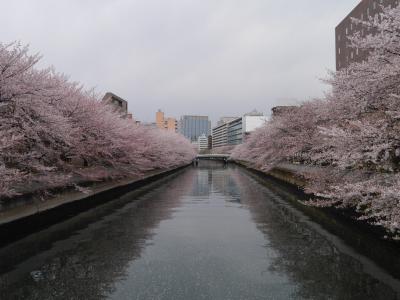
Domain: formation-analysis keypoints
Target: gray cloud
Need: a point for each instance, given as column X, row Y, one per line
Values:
column 212, row 57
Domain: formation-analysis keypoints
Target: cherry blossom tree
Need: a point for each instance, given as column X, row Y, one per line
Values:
column 291, row 136
column 352, row 135
column 52, row 129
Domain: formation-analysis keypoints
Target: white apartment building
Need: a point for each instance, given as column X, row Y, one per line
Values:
column 202, row 142
column 235, row 131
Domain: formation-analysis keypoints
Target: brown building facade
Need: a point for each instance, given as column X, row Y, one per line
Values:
column 160, row 119
column 365, row 9
column 170, row 124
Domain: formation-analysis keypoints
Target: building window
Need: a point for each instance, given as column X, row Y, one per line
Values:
column 347, row 31
column 339, row 50
column 351, row 55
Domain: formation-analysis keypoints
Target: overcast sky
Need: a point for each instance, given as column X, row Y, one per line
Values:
column 208, row 57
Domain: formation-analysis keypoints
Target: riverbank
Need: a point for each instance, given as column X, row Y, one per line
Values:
column 32, row 213
column 215, row 231
column 365, row 238
column 293, row 176
column 286, row 173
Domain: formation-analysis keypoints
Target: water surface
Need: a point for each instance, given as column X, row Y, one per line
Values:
column 211, row 232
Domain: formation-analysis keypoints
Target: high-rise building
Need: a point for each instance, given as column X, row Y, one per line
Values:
column 194, row 126
column 170, row 124
column 346, row 55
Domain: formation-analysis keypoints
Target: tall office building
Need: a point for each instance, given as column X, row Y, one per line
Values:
column 170, row 124
column 346, row 55
column 194, row 126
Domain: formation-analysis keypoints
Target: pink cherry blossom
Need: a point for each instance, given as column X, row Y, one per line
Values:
column 52, row 130
column 351, row 136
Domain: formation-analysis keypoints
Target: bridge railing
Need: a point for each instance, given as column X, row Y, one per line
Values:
column 219, row 157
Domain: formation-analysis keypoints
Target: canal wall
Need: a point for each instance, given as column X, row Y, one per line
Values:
column 24, row 215
column 291, row 175
column 287, row 173
column 370, row 240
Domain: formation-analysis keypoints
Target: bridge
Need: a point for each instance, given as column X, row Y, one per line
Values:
column 224, row 157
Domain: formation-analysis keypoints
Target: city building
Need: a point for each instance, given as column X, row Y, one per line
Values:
column 150, row 125
column 346, row 55
column 225, row 120
column 202, row 142
column 120, row 105
column 194, row 126
column 234, row 132
column 170, row 124
column 160, row 119
column 195, row 145
column 281, row 110
column 210, row 142
column 220, row 132
column 220, row 135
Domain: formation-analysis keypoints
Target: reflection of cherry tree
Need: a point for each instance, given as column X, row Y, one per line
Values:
column 48, row 124
column 78, row 268
column 316, row 265
column 354, row 130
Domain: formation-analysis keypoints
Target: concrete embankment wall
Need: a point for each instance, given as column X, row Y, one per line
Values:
column 289, row 174
column 26, row 215
column 366, row 238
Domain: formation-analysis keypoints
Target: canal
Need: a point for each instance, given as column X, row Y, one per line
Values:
column 206, row 232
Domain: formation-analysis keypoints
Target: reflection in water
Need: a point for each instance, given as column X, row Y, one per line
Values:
column 305, row 254
column 211, row 232
column 85, row 263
